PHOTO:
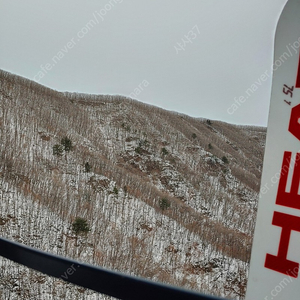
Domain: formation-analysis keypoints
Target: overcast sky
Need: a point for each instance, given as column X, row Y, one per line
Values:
column 190, row 56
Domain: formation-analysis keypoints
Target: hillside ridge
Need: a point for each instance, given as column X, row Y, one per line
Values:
column 166, row 196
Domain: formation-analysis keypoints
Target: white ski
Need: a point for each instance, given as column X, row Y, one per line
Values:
column 274, row 267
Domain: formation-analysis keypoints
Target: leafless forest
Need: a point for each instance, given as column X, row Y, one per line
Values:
column 166, row 197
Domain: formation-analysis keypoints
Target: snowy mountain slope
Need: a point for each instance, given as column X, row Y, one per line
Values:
column 168, row 197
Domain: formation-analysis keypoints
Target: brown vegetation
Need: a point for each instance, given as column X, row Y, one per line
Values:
column 211, row 201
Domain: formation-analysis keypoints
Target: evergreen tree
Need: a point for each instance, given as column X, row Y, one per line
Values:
column 225, row 159
column 116, row 191
column 164, row 151
column 67, row 144
column 87, row 167
column 80, row 226
column 164, row 203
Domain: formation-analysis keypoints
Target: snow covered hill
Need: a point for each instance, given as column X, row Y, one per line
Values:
column 167, row 197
